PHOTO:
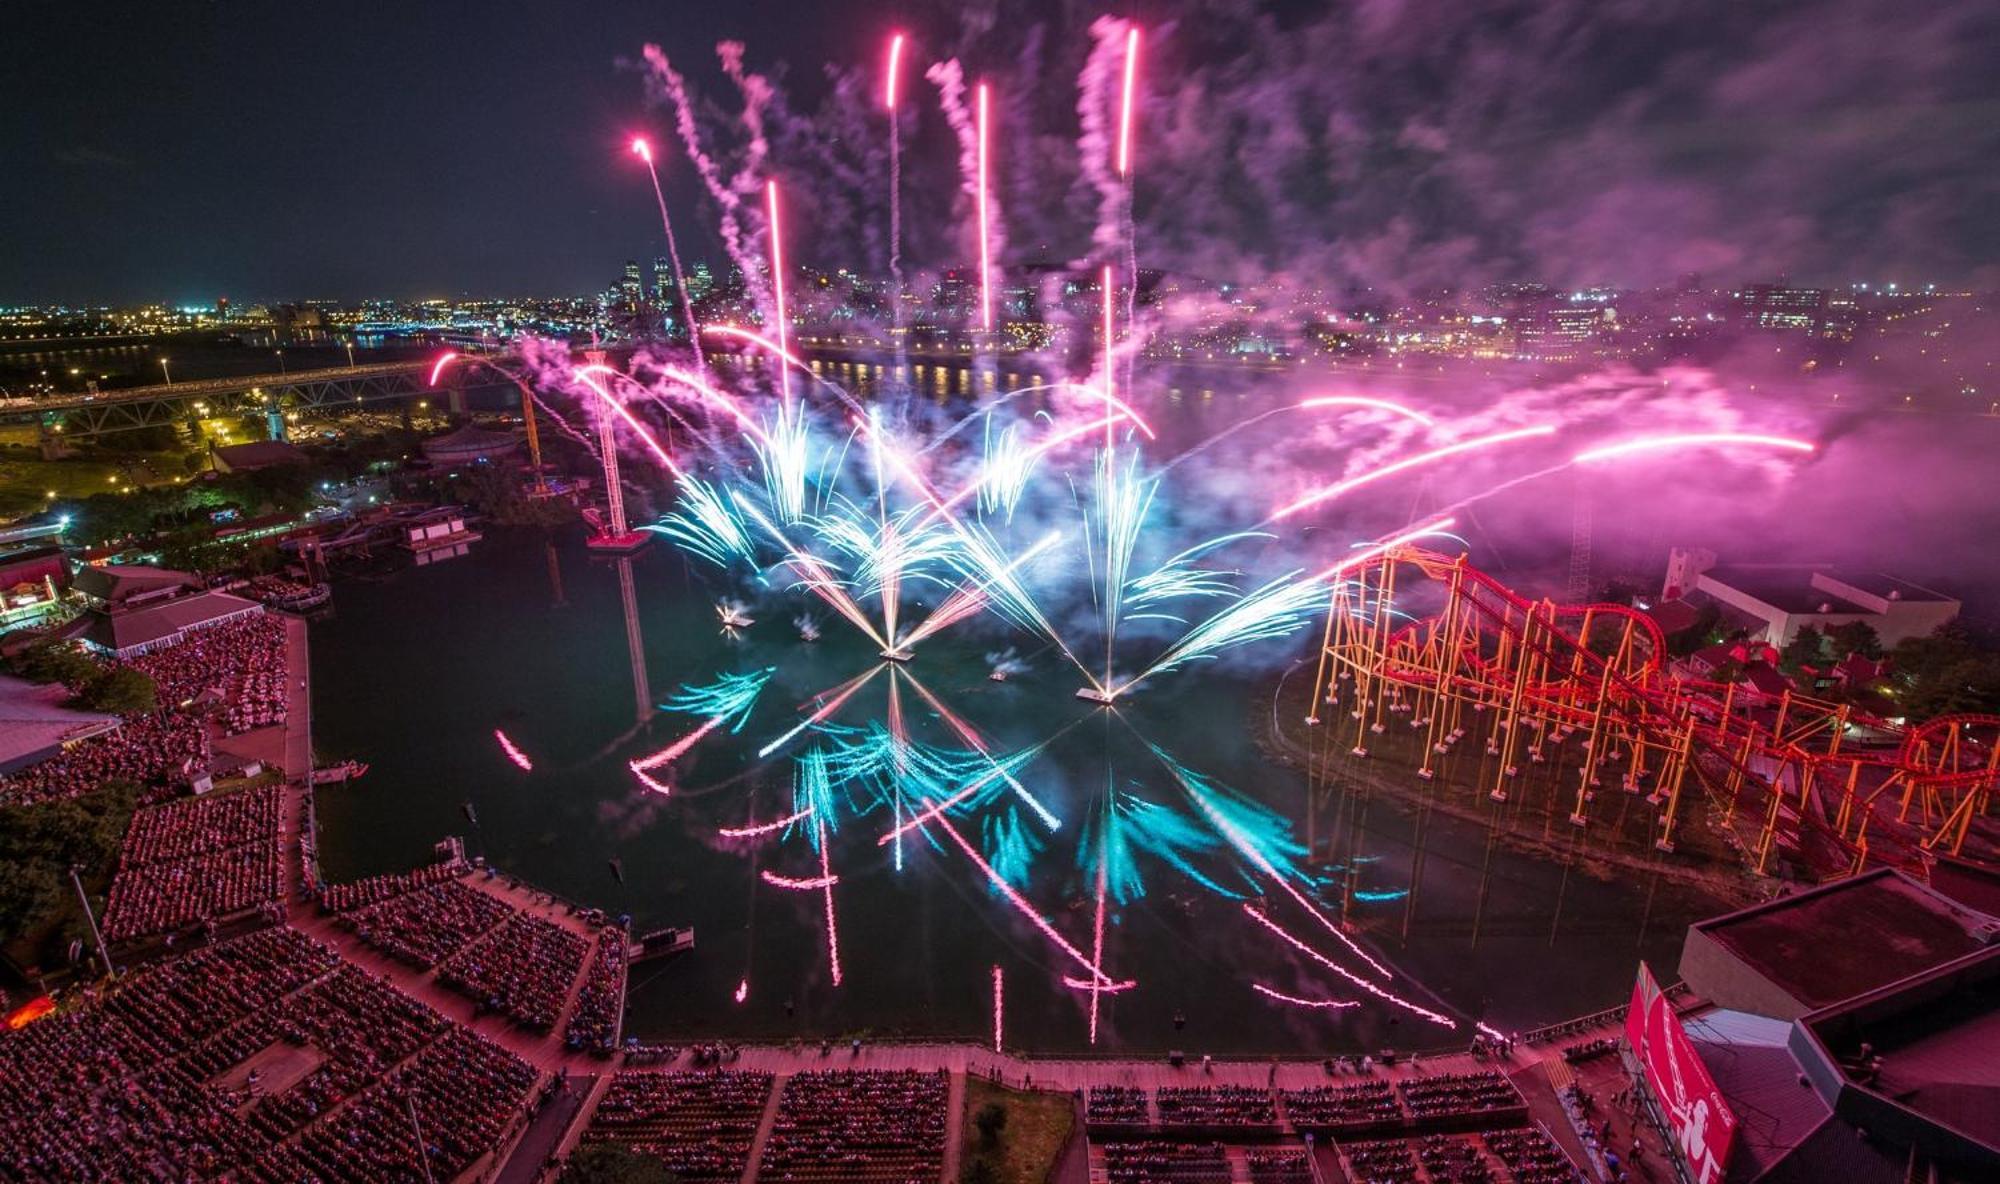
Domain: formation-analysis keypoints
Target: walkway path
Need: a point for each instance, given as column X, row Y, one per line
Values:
column 546, row 1132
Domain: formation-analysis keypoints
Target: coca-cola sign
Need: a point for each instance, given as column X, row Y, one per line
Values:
column 1700, row 1117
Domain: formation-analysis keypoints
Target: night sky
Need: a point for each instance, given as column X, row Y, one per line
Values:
column 183, row 151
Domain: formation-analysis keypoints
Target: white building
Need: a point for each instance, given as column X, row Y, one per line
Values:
column 1788, row 597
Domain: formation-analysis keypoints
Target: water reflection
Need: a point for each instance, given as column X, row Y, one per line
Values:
column 931, row 823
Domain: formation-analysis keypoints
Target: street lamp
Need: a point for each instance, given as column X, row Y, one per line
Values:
column 163, row 370
column 350, row 353
column 281, row 361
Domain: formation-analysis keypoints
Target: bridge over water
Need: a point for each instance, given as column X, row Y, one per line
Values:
column 86, row 415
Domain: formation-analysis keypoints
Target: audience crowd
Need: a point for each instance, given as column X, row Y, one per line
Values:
column 1215, row 1105
column 700, row 1124
column 196, row 860
column 240, row 664
column 1164, row 1162
column 1451, row 1159
column 343, row 898
column 594, row 1023
column 428, row 925
column 158, row 1078
column 1119, row 1105
column 1449, row 1095
column 858, row 1126
column 1278, row 1167
column 159, row 750
column 523, row 970
column 1531, row 1157
column 1367, row 1103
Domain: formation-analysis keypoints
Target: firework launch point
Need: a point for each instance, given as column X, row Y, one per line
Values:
column 898, row 654
column 1093, row 695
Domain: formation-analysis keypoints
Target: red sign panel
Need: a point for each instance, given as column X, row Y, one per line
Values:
column 1695, row 1109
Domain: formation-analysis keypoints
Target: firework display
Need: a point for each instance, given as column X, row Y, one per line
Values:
column 1053, row 518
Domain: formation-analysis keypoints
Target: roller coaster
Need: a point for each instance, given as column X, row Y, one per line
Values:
column 1586, row 697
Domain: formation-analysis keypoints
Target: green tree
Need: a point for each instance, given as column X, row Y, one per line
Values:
column 1855, row 637
column 1946, row 673
column 59, row 661
column 38, row 844
column 608, row 1163
column 1806, row 648
column 122, row 690
column 194, row 462
column 991, row 1121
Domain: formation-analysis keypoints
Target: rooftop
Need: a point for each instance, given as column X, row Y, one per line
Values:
column 124, row 630
column 1849, row 937
column 1788, row 589
column 33, row 719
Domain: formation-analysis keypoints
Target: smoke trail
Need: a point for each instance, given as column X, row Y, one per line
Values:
column 949, row 77
column 672, row 88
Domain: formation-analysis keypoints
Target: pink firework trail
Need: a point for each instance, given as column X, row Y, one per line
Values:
column 742, row 991
column 1338, row 488
column 938, row 808
column 1108, row 988
column 826, row 886
column 826, row 709
column 1125, row 104
column 763, row 828
column 778, row 287
column 513, row 753
column 1695, row 440
column 1007, row 893
column 1248, row 849
column 443, row 361
column 639, row 429
column 1364, row 401
column 671, row 753
column 985, row 228
column 738, row 333
column 895, row 71
column 644, row 151
column 809, row 885
column 999, row 999
column 1345, row 973
column 1295, row 1001
column 1097, row 950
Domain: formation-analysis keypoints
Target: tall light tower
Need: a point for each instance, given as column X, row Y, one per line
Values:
column 615, row 533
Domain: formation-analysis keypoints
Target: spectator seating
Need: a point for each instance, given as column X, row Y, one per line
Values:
column 858, row 1127
column 700, row 1124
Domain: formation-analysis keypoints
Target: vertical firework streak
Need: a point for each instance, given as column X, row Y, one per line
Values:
column 998, row 1012
column 1123, row 500
column 1097, row 950
column 826, row 887
column 985, row 227
column 1110, row 351
column 778, row 291
column 895, row 198
column 644, row 151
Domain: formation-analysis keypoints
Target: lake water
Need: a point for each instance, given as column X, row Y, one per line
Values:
column 413, row 672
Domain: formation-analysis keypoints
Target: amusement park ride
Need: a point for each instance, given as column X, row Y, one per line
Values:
column 1789, row 776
